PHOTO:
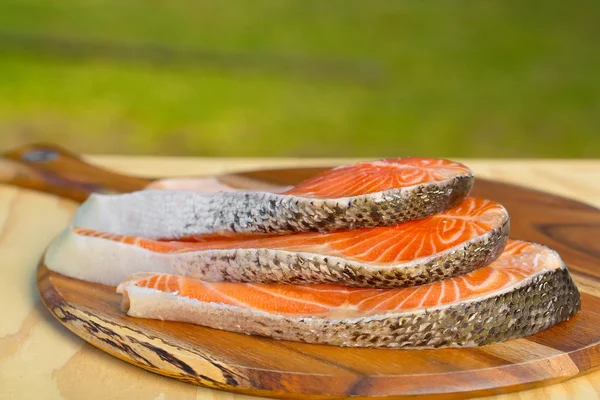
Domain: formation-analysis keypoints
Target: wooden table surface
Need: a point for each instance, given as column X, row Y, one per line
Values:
column 40, row 358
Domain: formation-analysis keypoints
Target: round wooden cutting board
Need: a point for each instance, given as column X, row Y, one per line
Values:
column 261, row 366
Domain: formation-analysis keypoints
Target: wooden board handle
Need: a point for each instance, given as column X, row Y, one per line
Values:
column 51, row 169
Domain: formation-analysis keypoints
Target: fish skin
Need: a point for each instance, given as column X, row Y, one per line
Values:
column 160, row 214
column 277, row 266
column 535, row 304
column 109, row 262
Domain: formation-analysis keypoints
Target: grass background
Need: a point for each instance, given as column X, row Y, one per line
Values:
column 303, row 78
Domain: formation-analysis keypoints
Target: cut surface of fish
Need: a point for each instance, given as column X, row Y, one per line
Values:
column 362, row 195
column 526, row 290
column 453, row 242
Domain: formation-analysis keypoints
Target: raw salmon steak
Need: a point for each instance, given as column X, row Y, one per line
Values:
column 362, row 195
column 526, row 290
column 444, row 245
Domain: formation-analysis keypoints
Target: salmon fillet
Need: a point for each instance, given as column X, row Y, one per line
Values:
column 363, row 195
column 453, row 242
column 527, row 289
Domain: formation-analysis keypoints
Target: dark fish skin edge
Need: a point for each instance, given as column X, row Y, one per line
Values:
column 292, row 214
column 277, row 266
column 538, row 303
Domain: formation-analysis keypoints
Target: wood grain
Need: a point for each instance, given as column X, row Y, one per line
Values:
column 222, row 360
column 52, row 169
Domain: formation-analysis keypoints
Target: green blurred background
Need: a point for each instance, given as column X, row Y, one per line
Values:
column 303, row 78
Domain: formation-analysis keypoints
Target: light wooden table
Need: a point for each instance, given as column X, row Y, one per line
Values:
column 41, row 359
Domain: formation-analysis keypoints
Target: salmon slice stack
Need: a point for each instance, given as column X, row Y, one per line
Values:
column 363, row 195
column 526, row 290
column 389, row 253
column 417, row 252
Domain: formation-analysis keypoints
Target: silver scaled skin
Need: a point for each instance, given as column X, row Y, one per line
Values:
column 278, row 266
column 176, row 214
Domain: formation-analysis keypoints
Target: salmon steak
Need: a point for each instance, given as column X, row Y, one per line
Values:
column 363, row 195
column 526, row 290
column 417, row 252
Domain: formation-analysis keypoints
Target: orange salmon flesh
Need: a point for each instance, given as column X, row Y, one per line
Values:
column 404, row 242
column 519, row 261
